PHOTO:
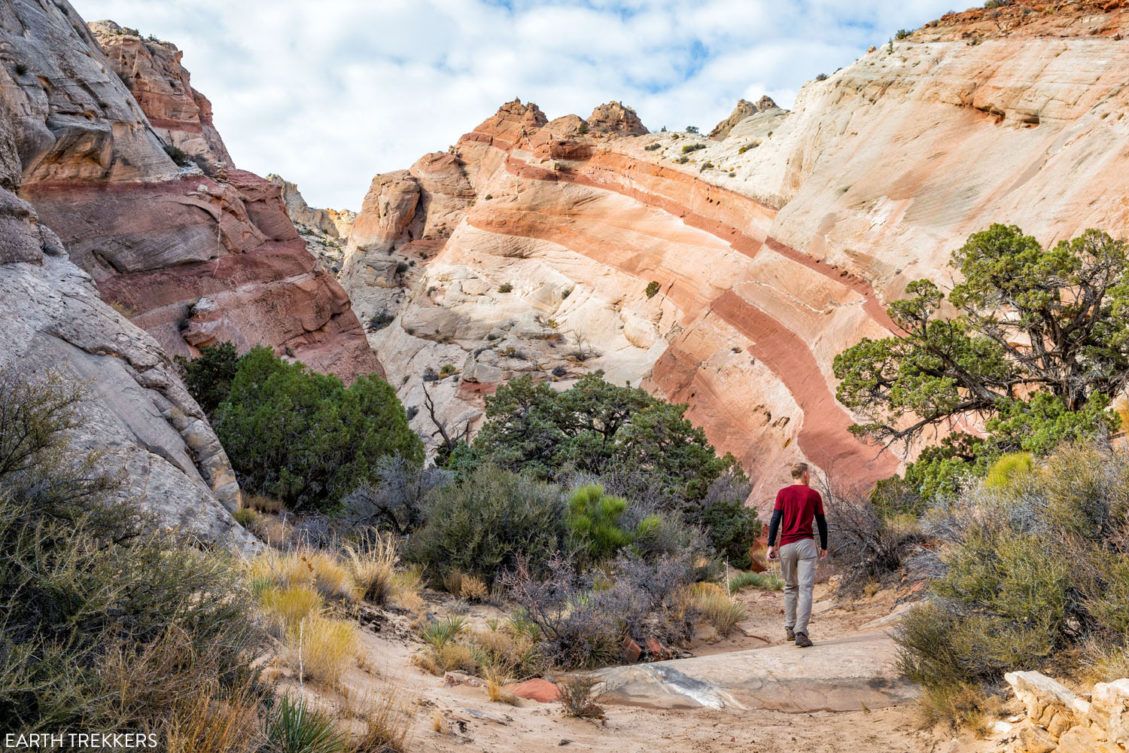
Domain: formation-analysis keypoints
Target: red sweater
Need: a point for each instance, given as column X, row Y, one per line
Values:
column 795, row 509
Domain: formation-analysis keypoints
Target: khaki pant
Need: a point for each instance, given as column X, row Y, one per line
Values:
column 797, row 564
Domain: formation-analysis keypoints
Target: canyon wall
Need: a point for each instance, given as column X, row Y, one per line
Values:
column 193, row 251
column 134, row 412
column 728, row 272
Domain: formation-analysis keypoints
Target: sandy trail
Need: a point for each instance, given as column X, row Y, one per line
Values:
column 468, row 721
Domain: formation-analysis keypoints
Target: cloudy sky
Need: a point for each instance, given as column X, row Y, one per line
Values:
column 330, row 92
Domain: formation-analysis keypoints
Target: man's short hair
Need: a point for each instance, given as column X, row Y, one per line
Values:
column 799, row 469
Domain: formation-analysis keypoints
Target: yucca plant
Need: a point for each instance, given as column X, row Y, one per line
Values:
column 294, row 727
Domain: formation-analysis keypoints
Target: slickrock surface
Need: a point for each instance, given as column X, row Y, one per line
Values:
column 135, row 410
column 1059, row 721
column 844, row 674
column 192, row 258
column 774, row 248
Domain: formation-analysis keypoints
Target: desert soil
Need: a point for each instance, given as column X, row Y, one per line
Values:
column 459, row 717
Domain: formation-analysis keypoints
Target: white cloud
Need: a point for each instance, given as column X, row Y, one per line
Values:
column 330, row 92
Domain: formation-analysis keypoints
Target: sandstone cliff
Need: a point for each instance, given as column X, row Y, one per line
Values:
column 135, row 411
column 192, row 258
column 773, row 248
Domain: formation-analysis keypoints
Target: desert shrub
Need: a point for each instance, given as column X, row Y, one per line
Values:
column 104, row 624
column 902, row 34
column 505, row 287
column 687, row 148
column 761, row 581
column 379, row 320
column 394, row 500
column 178, row 155
column 208, row 377
column 1034, row 571
column 691, row 129
column 866, row 546
column 387, row 728
column 652, row 289
column 294, row 727
column 581, row 619
column 731, row 528
column 576, row 697
column 304, row 437
column 486, row 523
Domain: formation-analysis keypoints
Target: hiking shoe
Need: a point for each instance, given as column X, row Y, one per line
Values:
column 790, row 633
column 802, row 640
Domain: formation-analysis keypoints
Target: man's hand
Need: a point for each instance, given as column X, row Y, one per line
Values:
column 823, row 554
column 772, row 552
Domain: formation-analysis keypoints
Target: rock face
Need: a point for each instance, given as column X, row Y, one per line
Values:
column 744, row 109
column 617, row 118
column 135, row 411
column 1058, row 721
column 192, row 258
column 152, row 70
column 774, row 248
column 323, row 230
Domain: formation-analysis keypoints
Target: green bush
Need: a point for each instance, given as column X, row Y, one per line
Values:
column 304, row 437
column 760, row 581
column 1008, row 468
column 687, row 148
column 652, row 289
column 487, row 523
column 732, row 528
column 104, row 625
column 208, row 378
column 595, row 522
column 595, row 427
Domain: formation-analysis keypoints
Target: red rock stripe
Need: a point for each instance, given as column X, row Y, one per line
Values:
column 740, row 241
column 825, row 437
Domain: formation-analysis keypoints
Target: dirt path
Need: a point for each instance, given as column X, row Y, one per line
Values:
column 752, row 666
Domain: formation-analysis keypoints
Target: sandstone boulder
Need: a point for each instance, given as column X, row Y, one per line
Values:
column 616, row 118
column 743, row 109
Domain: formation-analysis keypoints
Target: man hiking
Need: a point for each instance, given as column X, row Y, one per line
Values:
column 796, row 506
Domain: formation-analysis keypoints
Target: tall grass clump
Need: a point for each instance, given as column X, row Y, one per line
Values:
column 717, row 607
column 760, row 581
column 326, row 648
column 371, row 563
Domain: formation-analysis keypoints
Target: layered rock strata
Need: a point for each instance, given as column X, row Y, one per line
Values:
column 192, row 257
column 771, row 247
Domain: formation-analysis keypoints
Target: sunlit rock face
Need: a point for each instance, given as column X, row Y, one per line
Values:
column 194, row 253
column 531, row 247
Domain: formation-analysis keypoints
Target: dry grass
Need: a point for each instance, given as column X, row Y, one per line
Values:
column 330, row 577
column 451, row 657
column 469, row 587
column 717, row 607
column 960, row 706
column 286, row 608
column 372, row 565
column 576, row 697
column 406, row 586
column 387, row 727
column 206, row 724
column 496, row 679
column 325, row 648
column 263, row 504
